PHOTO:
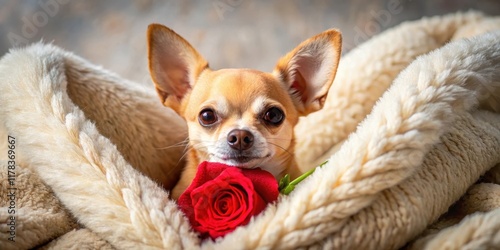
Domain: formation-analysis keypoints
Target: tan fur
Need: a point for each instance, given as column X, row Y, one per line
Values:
column 240, row 97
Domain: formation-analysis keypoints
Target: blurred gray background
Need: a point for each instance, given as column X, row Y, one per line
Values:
column 228, row 33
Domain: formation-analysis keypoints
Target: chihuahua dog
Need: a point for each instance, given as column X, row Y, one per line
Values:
column 241, row 117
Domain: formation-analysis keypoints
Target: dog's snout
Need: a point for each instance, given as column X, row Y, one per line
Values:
column 240, row 139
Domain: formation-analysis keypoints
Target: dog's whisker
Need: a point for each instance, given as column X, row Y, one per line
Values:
column 277, row 138
column 282, row 148
column 184, row 154
column 176, row 145
column 202, row 145
column 182, row 143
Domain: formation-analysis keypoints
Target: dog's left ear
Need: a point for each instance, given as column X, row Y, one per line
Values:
column 309, row 70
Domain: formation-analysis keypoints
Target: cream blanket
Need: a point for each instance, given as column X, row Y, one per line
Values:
column 407, row 140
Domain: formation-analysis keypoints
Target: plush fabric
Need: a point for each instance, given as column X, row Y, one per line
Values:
column 411, row 129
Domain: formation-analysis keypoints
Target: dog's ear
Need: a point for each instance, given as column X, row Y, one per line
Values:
column 173, row 63
column 309, row 70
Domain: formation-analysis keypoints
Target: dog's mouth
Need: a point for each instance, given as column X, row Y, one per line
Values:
column 243, row 161
column 240, row 159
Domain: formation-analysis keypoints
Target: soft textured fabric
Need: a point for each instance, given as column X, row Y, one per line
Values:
column 410, row 125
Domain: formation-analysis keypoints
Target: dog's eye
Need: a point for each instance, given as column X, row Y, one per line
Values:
column 274, row 116
column 207, row 117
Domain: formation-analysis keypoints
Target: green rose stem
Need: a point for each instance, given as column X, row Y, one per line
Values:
column 286, row 187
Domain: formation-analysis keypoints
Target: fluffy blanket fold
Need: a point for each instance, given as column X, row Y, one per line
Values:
column 411, row 128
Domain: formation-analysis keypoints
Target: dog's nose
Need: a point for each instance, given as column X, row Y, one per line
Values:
column 240, row 139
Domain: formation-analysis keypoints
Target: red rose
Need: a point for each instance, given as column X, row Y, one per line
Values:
column 222, row 197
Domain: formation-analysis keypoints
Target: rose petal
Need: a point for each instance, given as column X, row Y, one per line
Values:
column 243, row 188
column 223, row 205
column 232, row 202
column 264, row 184
column 220, row 198
column 205, row 172
column 242, row 207
column 219, row 226
column 229, row 182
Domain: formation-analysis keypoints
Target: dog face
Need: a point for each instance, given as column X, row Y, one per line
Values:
column 242, row 117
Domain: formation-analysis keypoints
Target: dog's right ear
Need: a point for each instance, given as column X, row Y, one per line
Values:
column 308, row 70
column 174, row 64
